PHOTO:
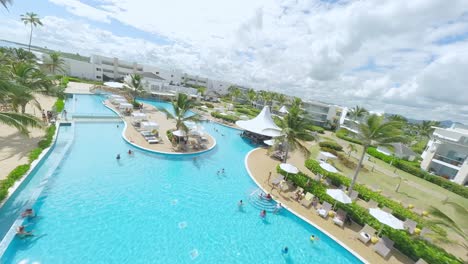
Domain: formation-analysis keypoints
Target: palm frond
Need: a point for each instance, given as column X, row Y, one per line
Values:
column 20, row 121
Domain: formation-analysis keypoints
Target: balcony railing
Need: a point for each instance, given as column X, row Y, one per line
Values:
column 454, row 162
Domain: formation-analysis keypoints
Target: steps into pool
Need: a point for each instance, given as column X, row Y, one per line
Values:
column 261, row 203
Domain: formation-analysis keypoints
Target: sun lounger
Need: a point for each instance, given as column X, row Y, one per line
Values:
column 410, row 225
column 386, row 209
column 353, row 195
column 372, row 204
column 340, row 217
column 323, row 212
column 285, row 185
column 366, row 234
column 297, row 193
column 153, row 141
column 277, row 180
column 384, row 246
column 307, row 201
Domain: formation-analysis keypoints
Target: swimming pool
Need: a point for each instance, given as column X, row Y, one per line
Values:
column 150, row 208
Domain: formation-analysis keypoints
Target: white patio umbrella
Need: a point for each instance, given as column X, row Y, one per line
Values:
column 386, row 219
column 288, row 168
column 339, row 196
column 328, row 167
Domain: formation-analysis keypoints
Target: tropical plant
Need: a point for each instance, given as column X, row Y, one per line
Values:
column 357, row 112
column 376, row 131
column 297, row 102
column 201, row 90
column 5, row 2
column 398, row 118
column 134, row 83
column 234, row 92
column 425, row 129
column 252, row 95
column 20, row 121
column 20, row 96
column 351, row 148
column 33, row 20
column 281, row 98
column 293, row 128
column 55, row 63
column 181, row 106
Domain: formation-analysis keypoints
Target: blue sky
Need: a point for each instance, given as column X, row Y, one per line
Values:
column 399, row 58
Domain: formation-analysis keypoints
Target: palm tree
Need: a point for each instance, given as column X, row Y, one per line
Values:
column 440, row 219
column 425, row 128
column 376, row 131
column 293, row 127
column 351, row 148
column 235, row 92
column 33, row 20
column 252, row 95
column 182, row 105
column 133, row 82
column 357, row 112
column 5, row 2
column 55, row 62
column 19, row 121
column 281, row 98
column 398, row 118
column 297, row 102
column 19, row 96
column 201, row 90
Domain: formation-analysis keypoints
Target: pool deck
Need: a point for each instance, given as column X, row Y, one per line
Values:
column 134, row 137
column 258, row 163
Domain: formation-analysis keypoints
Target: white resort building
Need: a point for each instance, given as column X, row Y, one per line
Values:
column 323, row 114
column 446, row 153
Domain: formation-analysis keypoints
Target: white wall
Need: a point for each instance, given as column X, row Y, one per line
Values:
column 81, row 69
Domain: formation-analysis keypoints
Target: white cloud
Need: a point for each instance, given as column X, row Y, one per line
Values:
column 312, row 49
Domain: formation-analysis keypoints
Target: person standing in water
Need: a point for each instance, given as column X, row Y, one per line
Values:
column 118, row 157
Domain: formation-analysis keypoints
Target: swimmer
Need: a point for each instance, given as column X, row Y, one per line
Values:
column 313, row 238
column 268, row 196
column 217, row 173
column 285, row 250
column 117, row 126
column 118, row 156
column 240, row 204
column 21, row 230
column 222, row 170
column 28, row 213
column 130, row 152
column 263, row 214
column 278, row 208
column 260, row 196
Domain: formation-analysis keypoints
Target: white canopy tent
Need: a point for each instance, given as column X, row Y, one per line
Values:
column 328, row 167
column 124, row 106
column 150, row 125
column 138, row 116
column 262, row 124
column 283, row 110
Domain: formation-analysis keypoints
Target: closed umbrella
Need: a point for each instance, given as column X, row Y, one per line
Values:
column 386, row 219
column 288, row 168
column 339, row 196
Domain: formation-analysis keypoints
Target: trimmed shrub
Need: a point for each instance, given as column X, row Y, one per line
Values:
column 331, row 145
column 414, row 248
column 307, row 137
column 413, row 168
column 169, row 135
column 12, row 177
column 45, row 143
column 228, row 118
column 317, row 129
column 34, row 154
column 209, row 105
column 344, row 134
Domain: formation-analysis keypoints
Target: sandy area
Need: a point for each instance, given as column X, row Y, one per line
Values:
column 79, row 88
column 260, row 164
column 14, row 146
column 164, row 124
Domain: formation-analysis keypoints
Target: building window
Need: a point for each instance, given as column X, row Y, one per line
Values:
column 98, row 69
column 98, row 77
column 157, row 72
column 172, row 75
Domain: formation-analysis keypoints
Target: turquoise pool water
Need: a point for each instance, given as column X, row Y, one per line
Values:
column 150, row 208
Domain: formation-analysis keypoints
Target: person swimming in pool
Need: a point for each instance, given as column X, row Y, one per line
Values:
column 130, row 152
column 268, row 196
column 313, row 238
column 21, row 231
column 285, row 250
column 278, row 207
column 118, row 156
column 28, row 213
column 263, row 214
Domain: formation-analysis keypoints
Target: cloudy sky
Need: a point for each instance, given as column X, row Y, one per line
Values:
column 396, row 56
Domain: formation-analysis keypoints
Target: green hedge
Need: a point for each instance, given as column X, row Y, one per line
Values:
column 14, row 175
column 331, row 145
column 414, row 248
column 45, row 143
column 209, row 105
column 34, row 154
column 59, row 105
column 419, row 146
column 229, row 118
column 313, row 128
column 413, row 168
column 344, row 134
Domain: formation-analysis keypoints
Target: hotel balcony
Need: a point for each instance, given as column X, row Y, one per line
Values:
column 449, row 162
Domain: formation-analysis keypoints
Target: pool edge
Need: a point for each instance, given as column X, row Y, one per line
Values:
column 301, row 217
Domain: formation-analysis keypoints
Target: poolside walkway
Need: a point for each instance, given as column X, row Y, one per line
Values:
column 260, row 164
column 164, row 124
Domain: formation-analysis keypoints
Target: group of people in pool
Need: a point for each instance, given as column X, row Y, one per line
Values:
column 219, row 172
column 130, row 152
column 21, row 230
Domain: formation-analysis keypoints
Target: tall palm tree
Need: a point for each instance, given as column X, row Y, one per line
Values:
column 398, row 118
column 55, row 63
column 357, row 112
column 182, row 105
column 5, row 2
column 376, row 131
column 297, row 102
column 134, row 83
column 281, row 98
column 33, row 20
column 252, row 95
column 425, row 128
column 293, row 127
column 19, row 96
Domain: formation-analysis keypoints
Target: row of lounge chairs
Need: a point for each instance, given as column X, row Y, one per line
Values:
column 150, row 137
